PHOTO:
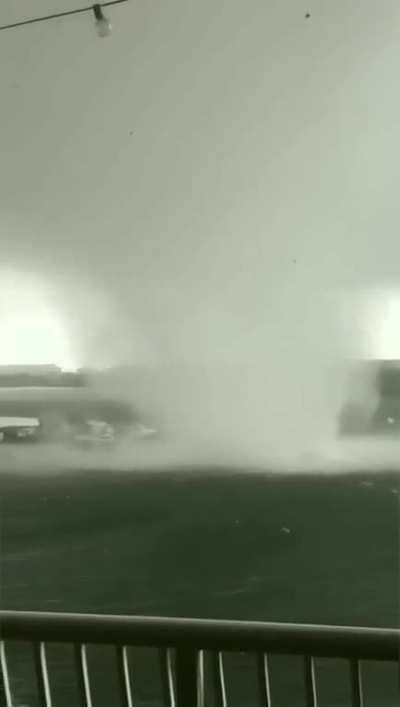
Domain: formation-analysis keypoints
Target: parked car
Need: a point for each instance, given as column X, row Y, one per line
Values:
column 19, row 429
column 73, row 415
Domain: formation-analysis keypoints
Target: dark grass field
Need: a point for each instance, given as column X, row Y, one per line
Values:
column 320, row 549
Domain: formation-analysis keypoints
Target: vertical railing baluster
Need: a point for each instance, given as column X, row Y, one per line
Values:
column 218, row 679
column 201, row 692
column 310, row 682
column 189, row 677
column 167, row 677
column 5, row 687
column 83, row 675
column 124, row 676
column 42, row 675
column 264, row 684
column 357, row 699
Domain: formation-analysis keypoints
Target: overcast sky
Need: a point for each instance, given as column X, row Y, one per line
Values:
column 217, row 171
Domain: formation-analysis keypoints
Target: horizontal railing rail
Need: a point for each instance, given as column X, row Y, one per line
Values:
column 321, row 640
column 187, row 639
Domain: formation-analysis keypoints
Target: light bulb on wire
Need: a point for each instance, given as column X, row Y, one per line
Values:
column 103, row 24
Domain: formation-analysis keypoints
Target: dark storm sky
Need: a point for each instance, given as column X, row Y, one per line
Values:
column 219, row 172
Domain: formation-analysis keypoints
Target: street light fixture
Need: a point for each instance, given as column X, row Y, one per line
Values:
column 103, row 24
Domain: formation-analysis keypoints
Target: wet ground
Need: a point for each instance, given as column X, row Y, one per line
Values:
column 207, row 543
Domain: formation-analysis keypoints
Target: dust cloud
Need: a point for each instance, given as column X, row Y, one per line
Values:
column 270, row 400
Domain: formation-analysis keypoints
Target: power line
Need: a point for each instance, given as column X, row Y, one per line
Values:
column 96, row 8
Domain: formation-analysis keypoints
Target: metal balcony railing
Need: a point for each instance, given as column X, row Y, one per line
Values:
column 182, row 644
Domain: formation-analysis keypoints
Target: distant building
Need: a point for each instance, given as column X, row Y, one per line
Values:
column 30, row 370
column 373, row 403
column 18, row 376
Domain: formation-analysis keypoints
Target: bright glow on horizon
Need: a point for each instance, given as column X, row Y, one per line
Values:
column 384, row 325
column 31, row 330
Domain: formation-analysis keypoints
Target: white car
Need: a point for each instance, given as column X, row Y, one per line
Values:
column 19, row 428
